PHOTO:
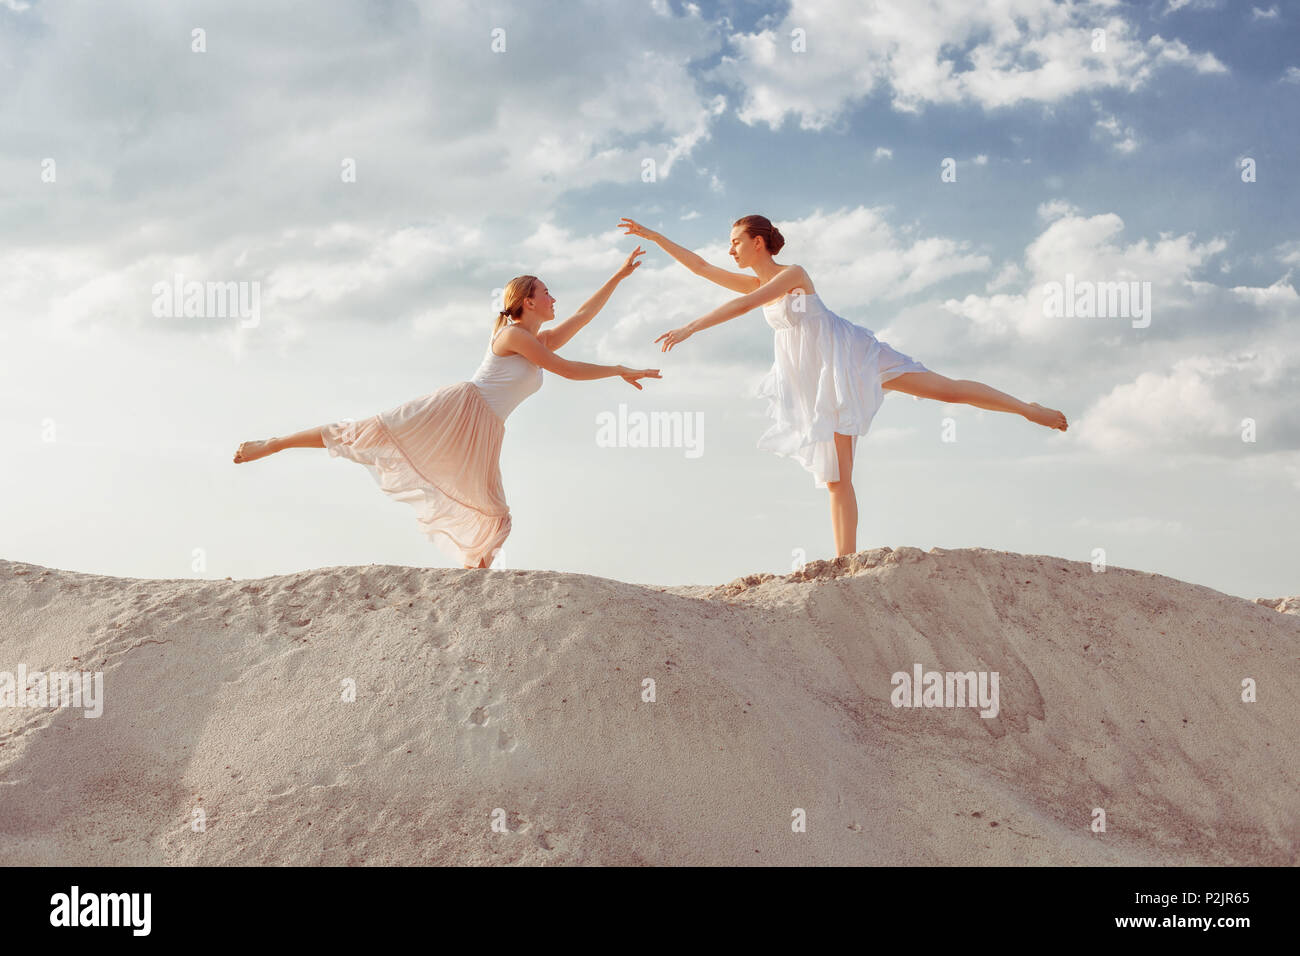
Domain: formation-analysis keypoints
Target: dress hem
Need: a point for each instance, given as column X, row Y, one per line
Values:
column 466, row 533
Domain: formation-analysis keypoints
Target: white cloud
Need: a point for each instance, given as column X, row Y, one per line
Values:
column 1176, row 51
column 1009, row 274
column 174, row 162
column 859, row 253
column 1176, row 5
column 1199, row 405
column 1281, row 294
column 884, row 152
column 1036, row 51
column 995, row 314
column 1086, row 247
column 434, row 119
column 1055, row 209
column 1270, row 14
column 1289, row 252
column 1123, row 138
column 1160, row 410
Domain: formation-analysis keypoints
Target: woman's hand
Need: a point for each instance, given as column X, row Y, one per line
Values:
column 628, row 267
column 635, row 373
column 675, row 337
column 636, row 229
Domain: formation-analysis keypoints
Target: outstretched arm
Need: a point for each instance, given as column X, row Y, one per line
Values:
column 555, row 337
column 791, row 277
column 735, row 281
column 520, row 341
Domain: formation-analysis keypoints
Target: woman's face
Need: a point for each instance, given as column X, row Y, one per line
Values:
column 543, row 302
column 742, row 247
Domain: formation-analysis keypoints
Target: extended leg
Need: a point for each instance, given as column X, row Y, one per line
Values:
column 844, row 502
column 965, row 392
column 253, row 450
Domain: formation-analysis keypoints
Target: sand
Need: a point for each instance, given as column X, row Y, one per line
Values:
column 518, row 696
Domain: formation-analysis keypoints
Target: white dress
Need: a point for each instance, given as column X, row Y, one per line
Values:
column 826, row 378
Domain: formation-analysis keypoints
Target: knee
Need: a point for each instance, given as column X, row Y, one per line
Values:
column 843, row 486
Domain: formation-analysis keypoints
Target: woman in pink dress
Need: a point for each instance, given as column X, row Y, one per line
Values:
column 441, row 452
column 829, row 376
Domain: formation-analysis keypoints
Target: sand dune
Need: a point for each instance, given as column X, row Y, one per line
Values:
column 523, row 691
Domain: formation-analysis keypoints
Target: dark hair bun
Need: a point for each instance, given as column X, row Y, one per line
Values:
column 762, row 227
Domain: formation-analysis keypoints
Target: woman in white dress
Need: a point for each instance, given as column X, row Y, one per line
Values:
column 440, row 453
column 829, row 375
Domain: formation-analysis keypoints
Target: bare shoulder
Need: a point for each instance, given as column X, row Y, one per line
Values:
column 511, row 340
column 803, row 281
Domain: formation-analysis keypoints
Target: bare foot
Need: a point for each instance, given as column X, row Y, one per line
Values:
column 253, row 450
column 1047, row 416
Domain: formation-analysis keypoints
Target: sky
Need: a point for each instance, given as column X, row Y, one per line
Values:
column 375, row 172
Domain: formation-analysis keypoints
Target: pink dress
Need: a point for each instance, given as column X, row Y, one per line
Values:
column 441, row 454
column 826, row 378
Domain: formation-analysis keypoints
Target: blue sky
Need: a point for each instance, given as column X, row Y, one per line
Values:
column 473, row 166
